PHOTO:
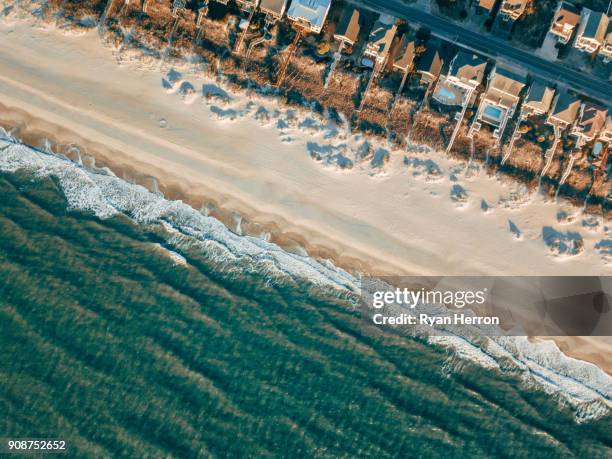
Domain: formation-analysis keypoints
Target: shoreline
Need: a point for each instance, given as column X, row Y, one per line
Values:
column 31, row 132
column 37, row 133
column 129, row 146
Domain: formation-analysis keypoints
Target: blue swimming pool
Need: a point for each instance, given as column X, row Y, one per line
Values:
column 492, row 112
column 447, row 96
column 597, row 148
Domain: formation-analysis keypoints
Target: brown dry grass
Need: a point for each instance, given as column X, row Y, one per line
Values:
column 305, row 82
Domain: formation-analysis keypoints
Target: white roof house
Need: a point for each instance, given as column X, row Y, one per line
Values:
column 309, row 13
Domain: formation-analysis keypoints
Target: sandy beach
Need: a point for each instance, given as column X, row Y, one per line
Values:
column 227, row 155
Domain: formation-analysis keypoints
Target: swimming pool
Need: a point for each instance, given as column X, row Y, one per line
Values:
column 493, row 113
column 597, row 148
column 447, row 96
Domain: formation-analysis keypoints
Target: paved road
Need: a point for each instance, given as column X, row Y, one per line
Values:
column 493, row 47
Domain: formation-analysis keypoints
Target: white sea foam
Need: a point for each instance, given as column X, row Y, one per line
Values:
column 106, row 195
column 583, row 385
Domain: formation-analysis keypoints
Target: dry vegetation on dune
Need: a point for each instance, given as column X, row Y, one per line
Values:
column 430, row 125
column 80, row 9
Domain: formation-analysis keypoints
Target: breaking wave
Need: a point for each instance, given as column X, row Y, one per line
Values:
column 581, row 384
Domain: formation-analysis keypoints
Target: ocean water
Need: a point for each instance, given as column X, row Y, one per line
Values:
column 134, row 326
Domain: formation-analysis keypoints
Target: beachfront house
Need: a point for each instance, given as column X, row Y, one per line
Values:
column 501, row 98
column 606, row 133
column 606, row 49
column 508, row 14
column 511, row 10
column 591, row 31
column 591, row 120
column 379, row 43
column 347, row 30
column 565, row 111
column 405, row 53
column 538, row 100
column 564, row 23
column 430, row 63
column 273, row 9
column 465, row 75
column 309, row 15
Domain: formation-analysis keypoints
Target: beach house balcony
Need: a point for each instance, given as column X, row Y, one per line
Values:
column 606, row 49
column 380, row 40
column 464, row 77
column 591, row 31
column 591, row 120
column 405, row 54
column 347, row 30
column 565, row 111
column 565, row 21
column 310, row 15
column 501, row 98
column 511, row 10
column 538, row 100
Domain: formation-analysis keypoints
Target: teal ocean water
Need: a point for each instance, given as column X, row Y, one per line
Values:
column 143, row 333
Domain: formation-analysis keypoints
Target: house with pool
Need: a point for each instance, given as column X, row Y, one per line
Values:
column 465, row 75
column 500, row 100
column 378, row 47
